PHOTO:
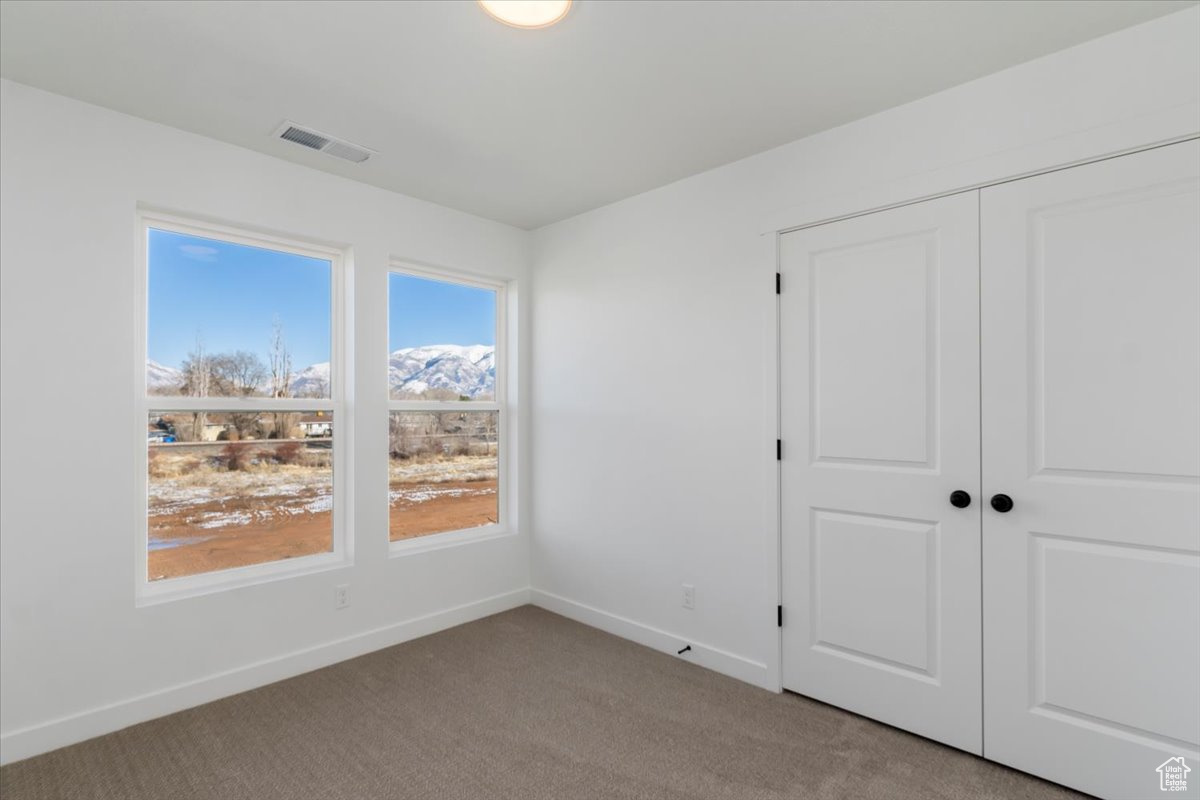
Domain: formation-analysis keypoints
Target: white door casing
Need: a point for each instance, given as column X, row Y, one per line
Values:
column 1091, row 423
column 879, row 382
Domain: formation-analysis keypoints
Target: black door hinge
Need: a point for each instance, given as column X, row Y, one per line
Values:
column 779, row 449
column 779, row 616
column 778, row 283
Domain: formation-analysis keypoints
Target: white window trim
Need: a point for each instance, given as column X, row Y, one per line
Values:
column 506, row 472
column 149, row 592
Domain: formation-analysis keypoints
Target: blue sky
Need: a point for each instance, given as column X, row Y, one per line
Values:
column 423, row 312
column 229, row 295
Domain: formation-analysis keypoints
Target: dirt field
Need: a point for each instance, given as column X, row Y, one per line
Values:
column 442, row 494
column 422, row 509
column 203, row 519
column 178, row 548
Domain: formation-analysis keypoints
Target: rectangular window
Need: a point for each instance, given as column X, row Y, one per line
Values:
column 232, row 319
column 446, row 426
column 242, row 388
column 218, row 501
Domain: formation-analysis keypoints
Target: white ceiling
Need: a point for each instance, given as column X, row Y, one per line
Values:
column 529, row 127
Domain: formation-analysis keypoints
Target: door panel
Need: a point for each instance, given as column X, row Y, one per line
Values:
column 898, row 634
column 1091, row 423
column 859, row 345
column 880, row 423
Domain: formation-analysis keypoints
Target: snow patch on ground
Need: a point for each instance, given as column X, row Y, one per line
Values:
column 219, row 519
column 210, row 500
column 254, row 497
column 423, row 494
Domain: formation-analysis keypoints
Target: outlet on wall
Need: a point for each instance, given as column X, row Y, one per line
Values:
column 341, row 595
column 689, row 596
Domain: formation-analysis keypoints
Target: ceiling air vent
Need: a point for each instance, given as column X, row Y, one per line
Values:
column 323, row 143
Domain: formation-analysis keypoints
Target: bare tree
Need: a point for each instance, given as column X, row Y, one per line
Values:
column 489, row 430
column 400, row 444
column 197, row 382
column 442, row 422
column 239, row 374
column 281, row 362
column 280, row 379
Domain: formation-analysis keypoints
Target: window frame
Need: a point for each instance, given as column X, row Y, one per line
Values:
column 498, row 404
column 149, row 592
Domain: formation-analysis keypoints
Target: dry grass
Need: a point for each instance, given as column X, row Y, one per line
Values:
column 251, row 476
column 256, row 476
column 185, row 483
column 172, row 466
column 172, row 471
column 198, row 492
column 443, row 469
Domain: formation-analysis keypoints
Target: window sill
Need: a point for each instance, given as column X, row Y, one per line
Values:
column 171, row 589
column 441, row 541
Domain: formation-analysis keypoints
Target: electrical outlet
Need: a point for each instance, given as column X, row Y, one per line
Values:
column 689, row 596
column 341, row 595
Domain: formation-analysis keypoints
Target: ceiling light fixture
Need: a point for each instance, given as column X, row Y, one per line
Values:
column 526, row 13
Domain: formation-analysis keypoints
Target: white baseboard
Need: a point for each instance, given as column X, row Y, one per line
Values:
column 51, row 735
column 722, row 661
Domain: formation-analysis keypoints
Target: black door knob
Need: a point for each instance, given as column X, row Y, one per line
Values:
column 960, row 499
column 1002, row 503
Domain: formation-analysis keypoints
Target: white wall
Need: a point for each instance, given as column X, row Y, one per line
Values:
column 654, row 320
column 77, row 657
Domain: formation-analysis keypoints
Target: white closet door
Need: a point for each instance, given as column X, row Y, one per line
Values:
column 879, row 347
column 1091, row 424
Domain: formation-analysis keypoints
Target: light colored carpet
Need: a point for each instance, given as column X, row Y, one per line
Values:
column 524, row 705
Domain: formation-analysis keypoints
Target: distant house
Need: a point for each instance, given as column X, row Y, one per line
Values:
column 315, row 425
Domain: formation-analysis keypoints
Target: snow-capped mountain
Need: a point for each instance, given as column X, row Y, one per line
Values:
column 312, row 381
column 465, row 370
column 160, row 376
